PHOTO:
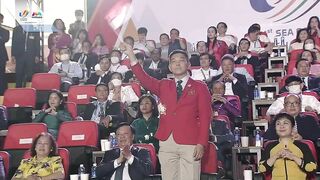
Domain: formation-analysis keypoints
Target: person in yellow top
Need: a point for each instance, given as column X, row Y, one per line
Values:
column 287, row 158
column 44, row 164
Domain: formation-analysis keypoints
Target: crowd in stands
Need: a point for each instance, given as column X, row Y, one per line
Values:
column 216, row 62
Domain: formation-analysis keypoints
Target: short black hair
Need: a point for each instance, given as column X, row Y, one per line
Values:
column 53, row 149
column 60, row 95
column 101, row 84
column 113, row 73
column 284, row 115
column 201, row 42
column 313, row 54
column 117, row 51
column 140, row 56
column 253, row 29
column 78, row 12
column 227, row 57
column 86, row 41
column 293, row 78
column 103, row 56
column 174, row 29
column 164, row 34
column 225, row 25
column 244, row 39
column 179, row 51
column 126, row 124
column 64, row 47
column 142, row 30
column 300, row 60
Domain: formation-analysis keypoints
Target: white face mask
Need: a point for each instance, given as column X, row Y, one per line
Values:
column 116, row 82
column 115, row 60
column 309, row 46
column 64, row 57
column 295, row 89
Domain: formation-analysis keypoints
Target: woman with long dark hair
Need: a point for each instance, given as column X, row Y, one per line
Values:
column 215, row 47
column 147, row 123
column 314, row 29
column 297, row 43
column 99, row 46
column 54, row 112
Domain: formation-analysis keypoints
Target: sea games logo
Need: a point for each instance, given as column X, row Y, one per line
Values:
column 284, row 11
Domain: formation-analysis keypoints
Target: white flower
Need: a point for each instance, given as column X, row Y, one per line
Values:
column 161, row 109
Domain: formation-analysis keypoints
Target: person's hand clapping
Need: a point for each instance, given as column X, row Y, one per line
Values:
column 53, row 111
column 126, row 152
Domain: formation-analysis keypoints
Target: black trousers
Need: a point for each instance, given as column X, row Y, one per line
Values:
column 24, row 69
column 3, row 81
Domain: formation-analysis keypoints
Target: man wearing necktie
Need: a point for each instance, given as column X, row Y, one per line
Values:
column 125, row 162
column 185, row 113
column 25, row 52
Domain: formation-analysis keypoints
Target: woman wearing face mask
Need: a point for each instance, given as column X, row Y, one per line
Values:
column 310, row 45
column 53, row 113
column 286, row 158
column 124, row 94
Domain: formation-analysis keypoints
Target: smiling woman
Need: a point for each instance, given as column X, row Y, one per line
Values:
column 44, row 163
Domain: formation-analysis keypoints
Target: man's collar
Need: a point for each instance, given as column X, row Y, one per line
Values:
column 184, row 79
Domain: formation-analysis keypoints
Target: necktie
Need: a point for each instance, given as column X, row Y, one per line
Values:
column 179, row 88
column 101, row 113
column 119, row 172
column 304, row 82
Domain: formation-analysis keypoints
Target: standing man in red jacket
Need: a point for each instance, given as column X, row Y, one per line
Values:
column 185, row 113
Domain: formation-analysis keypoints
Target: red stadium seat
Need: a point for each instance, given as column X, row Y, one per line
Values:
column 126, row 62
column 152, row 152
column 81, row 95
column 20, row 97
column 135, row 86
column 63, row 153
column 19, row 139
column 6, row 162
column 223, row 118
column 248, row 67
column 46, row 81
column 80, row 138
column 209, row 161
column 72, row 109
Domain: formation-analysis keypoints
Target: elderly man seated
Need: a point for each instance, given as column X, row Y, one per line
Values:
column 295, row 85
column 126, row 161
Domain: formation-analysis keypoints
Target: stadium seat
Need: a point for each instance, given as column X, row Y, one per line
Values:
column 63, row 153
column 152, row 152
column 72, row 109
column 19, row 139
column 80, row 138
column 209, row 161
column 43, row 83
column 81, row 96
column 19, row 103
column 248, row 67
column 6, row 160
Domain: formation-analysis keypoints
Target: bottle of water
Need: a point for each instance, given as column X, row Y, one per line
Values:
column 257, row 134
column 256, row 94
column 236, row 137
column 93, row 171
column 81, row 170
column 113, row 140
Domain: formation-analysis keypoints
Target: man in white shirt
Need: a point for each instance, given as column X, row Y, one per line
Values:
column 294, row 85
column 147, row 46
column 126, row 162
column 230, row 40
column 69, row 71
column 205, row 73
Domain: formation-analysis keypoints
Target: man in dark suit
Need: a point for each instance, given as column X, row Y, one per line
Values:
column 155, row 66
column 185, row 107
column 86, row 59
column 306, row 125
column 4, row 37
column 127, row 161
column 25, row 51
column 310, row 82
column 105, row 113
column 103, row 74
